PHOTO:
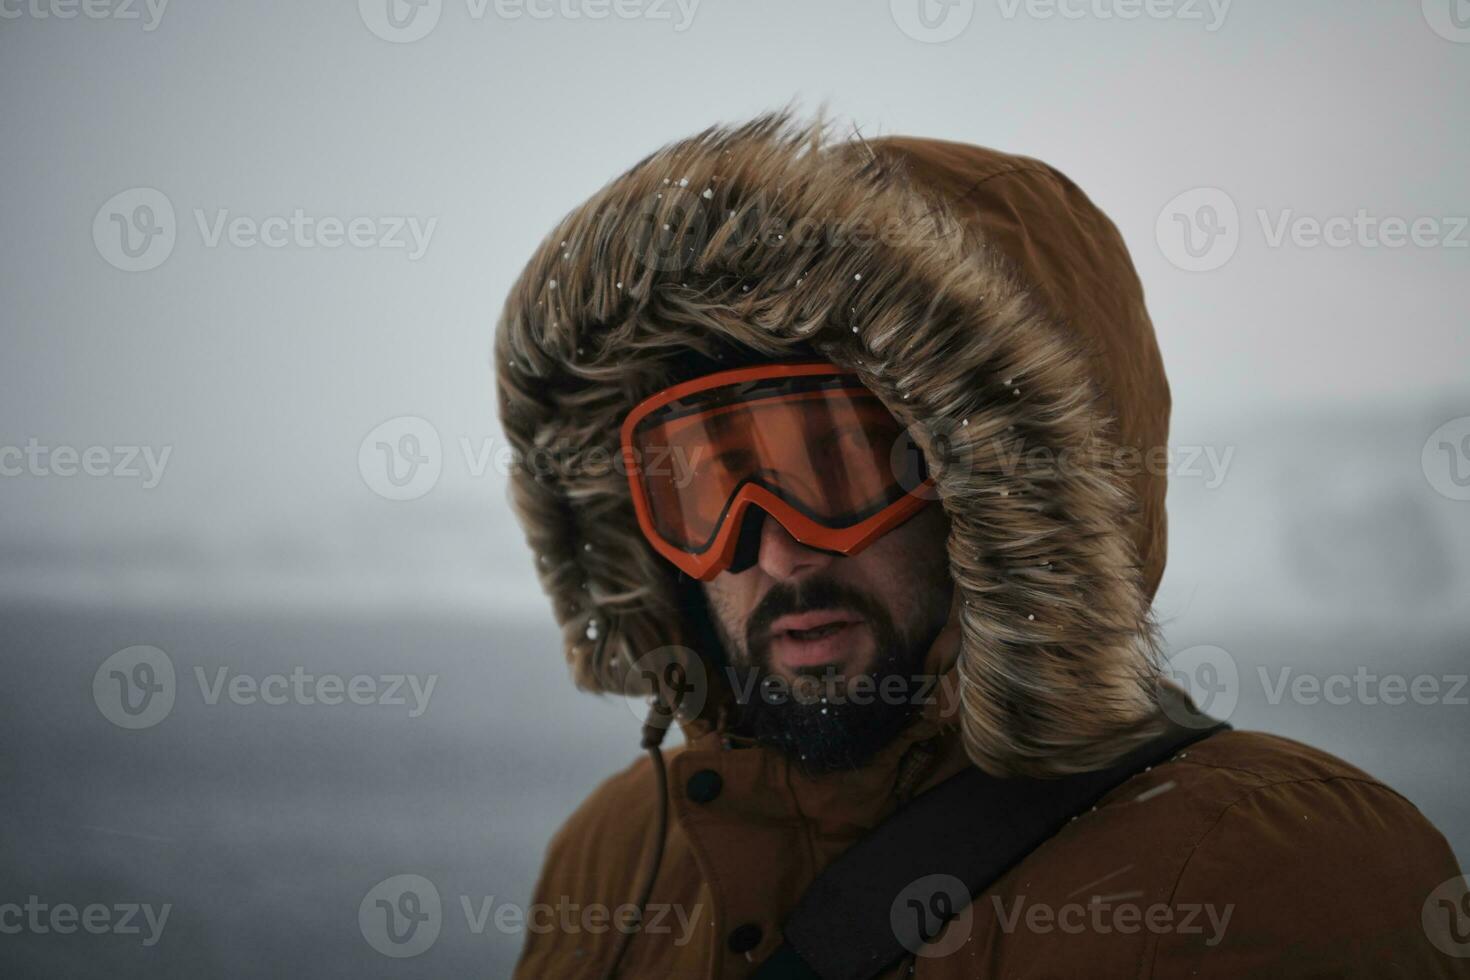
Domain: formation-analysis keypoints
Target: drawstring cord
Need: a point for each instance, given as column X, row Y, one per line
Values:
column 660, row 716
column 654, row 727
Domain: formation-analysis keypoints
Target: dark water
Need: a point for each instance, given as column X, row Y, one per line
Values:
column 264, row 826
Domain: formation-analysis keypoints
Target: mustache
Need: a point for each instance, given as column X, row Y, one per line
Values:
column 814, row 593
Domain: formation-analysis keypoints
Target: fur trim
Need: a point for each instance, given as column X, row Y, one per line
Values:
column 770, row 239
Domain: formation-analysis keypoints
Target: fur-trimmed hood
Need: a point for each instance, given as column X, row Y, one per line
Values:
column 984, row 299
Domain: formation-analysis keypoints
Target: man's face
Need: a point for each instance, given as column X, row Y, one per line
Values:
column 806, row 620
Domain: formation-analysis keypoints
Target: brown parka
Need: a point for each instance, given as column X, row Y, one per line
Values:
column 995, row 310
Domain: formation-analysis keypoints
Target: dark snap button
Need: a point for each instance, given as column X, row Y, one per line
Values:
column 745, row 938
column 704, row 786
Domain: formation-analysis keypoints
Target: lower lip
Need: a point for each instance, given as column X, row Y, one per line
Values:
column 790, row 652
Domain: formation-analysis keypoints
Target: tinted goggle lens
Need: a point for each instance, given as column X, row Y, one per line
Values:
column 822, row 444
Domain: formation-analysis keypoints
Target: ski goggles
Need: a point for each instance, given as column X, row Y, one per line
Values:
column 804, row 443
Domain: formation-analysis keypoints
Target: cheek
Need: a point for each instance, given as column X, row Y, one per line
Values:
column 903, row 566
column 730, row 601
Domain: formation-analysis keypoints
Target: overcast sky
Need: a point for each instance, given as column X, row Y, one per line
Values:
column 265, row 367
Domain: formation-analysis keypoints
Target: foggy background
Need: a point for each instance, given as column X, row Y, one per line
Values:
column 1329, row 381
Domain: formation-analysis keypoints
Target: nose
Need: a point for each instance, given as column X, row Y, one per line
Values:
column 783, row 557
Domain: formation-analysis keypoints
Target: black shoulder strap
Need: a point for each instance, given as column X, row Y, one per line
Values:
column 972, row 827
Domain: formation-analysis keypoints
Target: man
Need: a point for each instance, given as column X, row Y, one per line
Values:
column 881, row 522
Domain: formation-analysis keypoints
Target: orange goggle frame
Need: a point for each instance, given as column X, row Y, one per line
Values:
column 807, row 443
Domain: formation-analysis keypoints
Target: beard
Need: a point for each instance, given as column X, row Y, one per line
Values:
column 822, row 721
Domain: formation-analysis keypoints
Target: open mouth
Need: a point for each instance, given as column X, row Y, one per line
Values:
column 814, row 638
column 815, row 633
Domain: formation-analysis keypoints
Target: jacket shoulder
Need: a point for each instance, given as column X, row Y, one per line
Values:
column 590, row 864
column 599, row 843
column 1245, row 854
column 1309, row 863
column 1257, row 758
